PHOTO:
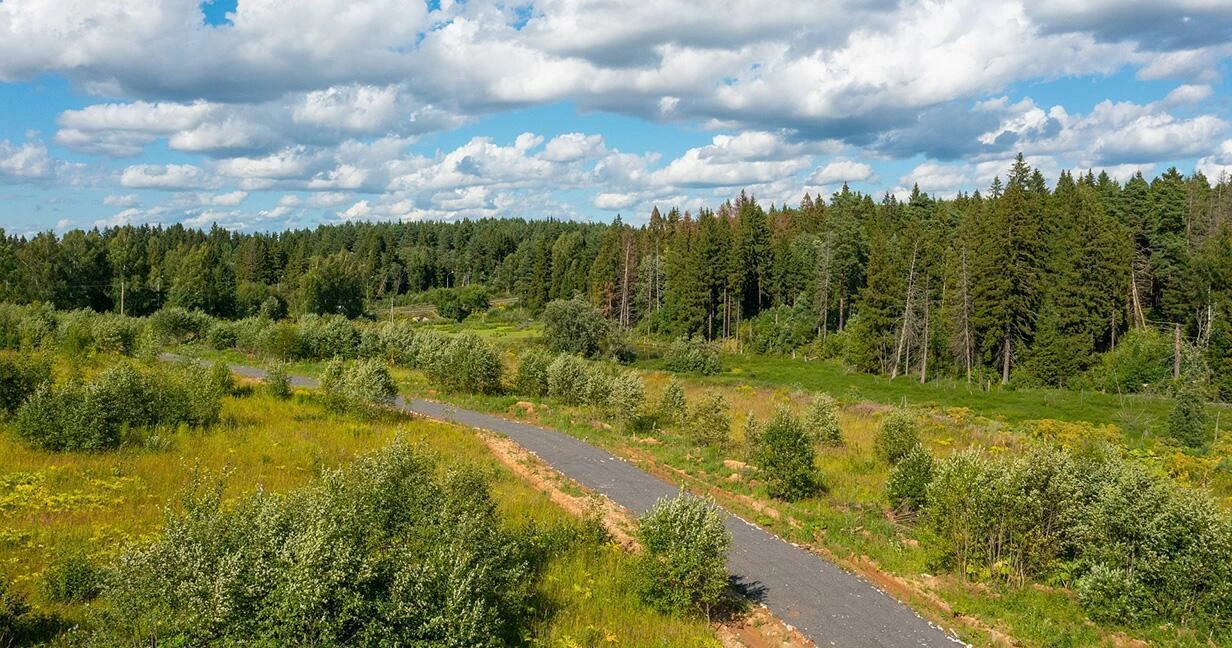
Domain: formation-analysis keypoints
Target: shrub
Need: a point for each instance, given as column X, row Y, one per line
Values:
column 672, row 407
column 328, row 336
column 683, row 569
column 384, row 551
column 277, row 381
column 15, row 617
column 532, row 376
column 65, row 419
column 628, row 396
column 282, row 340
column 72, row 578
column 709, row 423
column 574, row 326
column 693, row 355
column 222, row 336
column 20, row 376
column 75, row 332
column 567, row 379
column 821, row 420
column 1141, row 359
column 907, row 488
column 458, row 303
column 179, row 325
column 897, row 436
column 1187, row 420
column 1111, row 595
column 598, row 384
column 467, row 363
column 783, row 450
column 358, row 385
column 115, row 334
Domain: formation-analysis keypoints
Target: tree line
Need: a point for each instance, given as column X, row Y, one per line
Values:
column 1021, row 282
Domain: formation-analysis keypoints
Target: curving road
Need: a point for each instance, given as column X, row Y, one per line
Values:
column 828, row 605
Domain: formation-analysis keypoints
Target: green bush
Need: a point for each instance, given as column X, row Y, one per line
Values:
column 277, row 381
column 458, row 303
column 567, row 379
column 683, row 567
column 20, row 376
column 1187, row 419
column 532, row 376
column 72, row 578
column 116, row 334
column 328, row 336
column 222, row 336
column 467, row 363
column 821, row 421
column 897, row 435
column 628, row 396
column 386, row 551
column 598, row 384
column 179, row 326
column 574, row 326
column 357, row 386
column 672, row 406
column 709, row 423
column 783, row 450
column 1141, row 360
column 693, row 355
column 282, row 341
column 1111, row 595
column 907, row 488
column 93, row 415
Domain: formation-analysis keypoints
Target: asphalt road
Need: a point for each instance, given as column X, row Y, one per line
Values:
column 827, row 604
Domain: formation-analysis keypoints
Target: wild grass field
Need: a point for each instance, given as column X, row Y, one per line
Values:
column 97, row 503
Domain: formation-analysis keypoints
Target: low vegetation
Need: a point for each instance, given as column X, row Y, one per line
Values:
column 683, row 567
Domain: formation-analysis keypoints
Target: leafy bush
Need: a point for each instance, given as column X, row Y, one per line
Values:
column 897, row 436
column 356, row 386
column 277, row 381
column 1111, row 595
column 1141, row 359
column 783, row 450
column 1187, row 419
column 92, row 415
column 458, row 303
column 567, row 379
column 693, row 355
column 672, row 407
column 328, row 336
column 683, row 569
column 282, row 340
column 821, row 420
column 385, row 551
column 574, row 326
column 532, row 376
column 598, row 384
column 709, row 423
column 72, row 578
column 467, row 363
column 115, row 334
column 782, row 329
column 628, row 396
column 222, row 336
column 907, row 488
column 20, row 376
column 179, row 325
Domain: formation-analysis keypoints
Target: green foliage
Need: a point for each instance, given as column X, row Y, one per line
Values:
column 709, row 423
column 897, row 435
column 72, row 578
column 332, row 285
column 672, row 407
column 385, row 551
column 93, row 415
column 278, row 381
column 907, row 488
column 821, row 420
column 1187, row 420
column 328, row 336
column 532, row 376
column 358, row 385
column 784, row 451
column 467, row 363
column 693, row 355
column 458, row 303
column 20, row 375
column 574, row 326
column 1141, row 360
column 567, row 379
column 683, row 568
column 782, row 329
column 1111, row 595
column 179, row 325
column 628, row 396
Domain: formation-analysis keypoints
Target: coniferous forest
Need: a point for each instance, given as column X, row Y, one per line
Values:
column 1031, row 281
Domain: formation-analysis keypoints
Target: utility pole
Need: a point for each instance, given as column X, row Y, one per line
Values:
column 123, row 281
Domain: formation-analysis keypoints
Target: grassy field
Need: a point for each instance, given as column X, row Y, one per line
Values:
column 101, row 501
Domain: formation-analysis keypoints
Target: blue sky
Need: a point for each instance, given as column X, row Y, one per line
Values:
column 267, row 114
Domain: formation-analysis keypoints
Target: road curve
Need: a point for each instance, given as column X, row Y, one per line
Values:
column 828, row 605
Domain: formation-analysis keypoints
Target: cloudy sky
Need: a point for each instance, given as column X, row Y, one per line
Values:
column 266, row 114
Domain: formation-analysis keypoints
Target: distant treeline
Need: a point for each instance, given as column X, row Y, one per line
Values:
column 1018, row 282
